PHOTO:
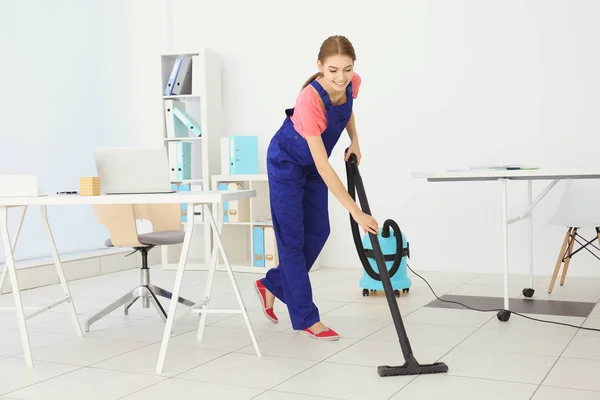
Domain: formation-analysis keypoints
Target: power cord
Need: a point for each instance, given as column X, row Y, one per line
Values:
column 499, row 309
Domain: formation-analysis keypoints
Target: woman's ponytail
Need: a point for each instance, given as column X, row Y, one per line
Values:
column 312, row 78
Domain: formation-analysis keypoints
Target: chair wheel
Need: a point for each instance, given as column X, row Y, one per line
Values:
column 365, row 292
column 503, row 315
column 397, row 293
column 528, row 292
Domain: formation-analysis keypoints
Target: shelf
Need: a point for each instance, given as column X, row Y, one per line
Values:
column 192, row 181
column 240, row 178
column 182, row 139
column 181, row 96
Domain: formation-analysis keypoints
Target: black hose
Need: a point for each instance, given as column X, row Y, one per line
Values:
column 355, row 183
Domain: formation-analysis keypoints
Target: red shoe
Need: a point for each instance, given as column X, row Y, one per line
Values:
column 262, row 294
column 327, row 334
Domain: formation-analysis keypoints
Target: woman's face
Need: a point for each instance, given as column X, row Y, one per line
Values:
column 337, row 71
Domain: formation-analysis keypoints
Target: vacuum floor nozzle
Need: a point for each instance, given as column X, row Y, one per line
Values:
column 412, row 368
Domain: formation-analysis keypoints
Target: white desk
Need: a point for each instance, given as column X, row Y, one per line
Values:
column 206, row 198
column 503, row 176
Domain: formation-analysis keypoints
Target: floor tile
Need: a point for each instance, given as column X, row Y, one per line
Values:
column 448, row 387
column 87, row 383
column 517, row 322
column 182, row 389
column 84, row 351
column 221, row 339
column 373, row 354
column 520, row 305
column 11, row 344
column 422, row 333
column 584, row 346
column 446, row 316
column 469, row 289
column 348, row 382
column 512, row 367
column 556, row 393
column 15, row 375
column 363, row 311
column 248, row 370
column 294, row 345
column 514, row 341
column 258, row 321
column 143, row 360
column 591, row 323
column 146, row 331
column 274, row 395
column 575, row 373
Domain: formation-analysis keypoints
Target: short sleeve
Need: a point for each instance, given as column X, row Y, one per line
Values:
column 309, row 116
column 356, row 81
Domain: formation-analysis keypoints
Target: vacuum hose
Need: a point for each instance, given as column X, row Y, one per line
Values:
column 354, row 184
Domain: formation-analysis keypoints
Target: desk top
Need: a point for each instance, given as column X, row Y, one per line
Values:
column 522, row 174
column 195, row 197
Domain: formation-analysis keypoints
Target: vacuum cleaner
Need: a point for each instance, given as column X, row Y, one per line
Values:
column 390, row 240
column 411, row 366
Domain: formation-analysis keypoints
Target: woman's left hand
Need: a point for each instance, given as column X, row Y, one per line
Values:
column 354, row 148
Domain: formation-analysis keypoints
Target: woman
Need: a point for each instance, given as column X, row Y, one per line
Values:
column 299, row 178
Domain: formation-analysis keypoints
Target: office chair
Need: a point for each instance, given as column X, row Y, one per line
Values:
column 120, row 220
column 577, row 209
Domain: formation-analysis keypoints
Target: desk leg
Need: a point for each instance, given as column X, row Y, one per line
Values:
column 59, row 271
column 233, row 282
column 530, row 226
column 176, row 289
column 14, row 245
column 504, row 315
column 212, row 266
column 10, row 266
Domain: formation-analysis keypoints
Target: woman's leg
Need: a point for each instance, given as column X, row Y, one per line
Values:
column 289, row 282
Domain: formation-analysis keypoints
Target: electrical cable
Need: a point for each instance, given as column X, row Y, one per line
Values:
column 499, row 309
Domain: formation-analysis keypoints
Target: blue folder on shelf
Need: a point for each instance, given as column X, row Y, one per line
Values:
column 259, row 246
column 224, row 186
column 243, row 155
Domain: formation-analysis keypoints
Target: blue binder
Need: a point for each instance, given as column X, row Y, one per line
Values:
column 224, row 186
column 243, row 154
column 184, row 161
column 259, row 246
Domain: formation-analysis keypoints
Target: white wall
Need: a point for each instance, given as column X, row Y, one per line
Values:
column 445, row 84
column 77, row 75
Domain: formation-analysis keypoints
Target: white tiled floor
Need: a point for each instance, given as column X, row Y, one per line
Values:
column 519, row 359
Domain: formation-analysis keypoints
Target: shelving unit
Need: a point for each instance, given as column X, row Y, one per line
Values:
column 237, row 236
column 200, row 98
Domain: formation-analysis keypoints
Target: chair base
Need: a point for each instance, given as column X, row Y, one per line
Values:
column 148, row 294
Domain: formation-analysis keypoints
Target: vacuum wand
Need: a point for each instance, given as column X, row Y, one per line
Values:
column 410, row 366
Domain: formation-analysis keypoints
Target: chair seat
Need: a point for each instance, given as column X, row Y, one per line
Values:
column 157, row 238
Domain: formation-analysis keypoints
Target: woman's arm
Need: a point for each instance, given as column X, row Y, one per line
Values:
column 351, row 129
column 336, row 186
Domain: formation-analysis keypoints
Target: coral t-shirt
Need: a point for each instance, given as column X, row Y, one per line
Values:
column 310, row 118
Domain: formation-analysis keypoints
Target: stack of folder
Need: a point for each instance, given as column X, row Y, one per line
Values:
column 265, row 247
column 180, row 78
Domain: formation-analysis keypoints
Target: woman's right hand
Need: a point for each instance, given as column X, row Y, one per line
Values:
column 368, row 223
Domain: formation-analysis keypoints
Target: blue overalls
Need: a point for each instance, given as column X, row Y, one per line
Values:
column 299, row 209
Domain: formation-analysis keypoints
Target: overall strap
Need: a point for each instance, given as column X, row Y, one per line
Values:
column 323, row 93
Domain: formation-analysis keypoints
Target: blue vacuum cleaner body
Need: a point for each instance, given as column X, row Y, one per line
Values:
column 398, row 273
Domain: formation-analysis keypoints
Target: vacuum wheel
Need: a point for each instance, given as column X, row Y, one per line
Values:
column 397, row 293
column 365, row 292
column 405, row 290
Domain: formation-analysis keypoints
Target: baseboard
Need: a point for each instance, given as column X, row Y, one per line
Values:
column 41, row 272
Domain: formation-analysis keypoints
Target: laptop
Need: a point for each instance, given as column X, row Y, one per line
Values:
column 133, row 170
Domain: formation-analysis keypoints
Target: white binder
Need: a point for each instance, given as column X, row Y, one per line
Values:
column 271, row 256
column 239, row 210
column 225, row 170
column 175, row 128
